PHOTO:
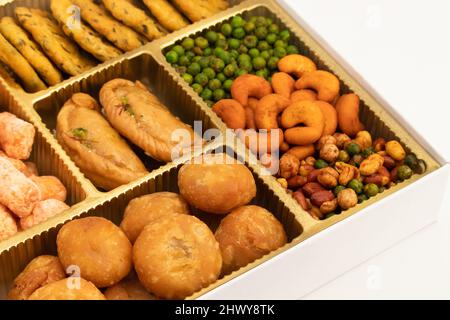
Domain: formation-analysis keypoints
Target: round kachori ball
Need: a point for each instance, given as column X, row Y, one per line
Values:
column 130, row 289
column 176, row 256
column 247, row 234
column 68, row 289
column 99, row 248
column 216, row 183
column 143, row 210
column 38, row 273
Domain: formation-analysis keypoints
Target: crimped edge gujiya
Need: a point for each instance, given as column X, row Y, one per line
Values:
column 19, row 250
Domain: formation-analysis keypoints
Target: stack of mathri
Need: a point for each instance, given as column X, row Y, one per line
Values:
column 39, row 47
column 26, row 199
column 174, row 253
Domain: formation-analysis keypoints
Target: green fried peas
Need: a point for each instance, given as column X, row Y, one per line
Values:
column 188, row 78
column 201, row 79
column 194, row 68
column 246, row 65
column 201, row 42
column 280, row 44
column 204, row 62
column 261, row 32
column 271, row 38
column 265, row 54
column 253, row 52
column 209, row 72
column 198, row 51
column 184, row 61
column 226, row 29
column 243, row 49
column 239, row 33
column 196, row 58
column 234, row 54
column 285, row 35
column 234, row 43
column 206, row 94
column 190, row 55
column 338, row 189
column 179, row 50
column 279, row 52
column 240, row 72
column 259, row 63
column 197, row 88
column 353, row 149
column 207, row 52
column 273, row 63
column 227, row 84
column 214, row 84
column 261, row 22
column 371, row 190
column 217, row 64
column 211, row 36
column 356, row 185
column 218, row 94
column 172, row 57
column 263, row 45
column 188, row 43
column 237, row 22
column 274, row 28
column 404, row 172
column 249, row 27
column 229, row 70
column 244, row 57
column 250, row 41
column 263, row 73
column 225, row 57
column 320, row 164
column 222, row 43
column 291, row 49
column 221, row 77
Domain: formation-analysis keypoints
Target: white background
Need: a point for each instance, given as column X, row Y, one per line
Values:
column 402, row 48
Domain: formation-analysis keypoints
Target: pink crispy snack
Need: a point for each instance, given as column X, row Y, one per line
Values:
column 8, row 225
column 18, row 193
column 43, row 211
column 16, row 136
column 18, row 164
column 50, row 187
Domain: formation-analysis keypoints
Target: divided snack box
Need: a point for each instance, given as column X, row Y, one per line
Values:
column 317, row 251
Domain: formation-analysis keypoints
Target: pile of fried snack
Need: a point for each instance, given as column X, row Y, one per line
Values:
column 39, row 48
column 328, row 161
column 26, row 199
column 160, row 251
column 95, row 140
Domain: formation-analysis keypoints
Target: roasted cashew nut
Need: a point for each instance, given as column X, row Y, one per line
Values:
column 302, row 152
column 283, row 84
column 325, row 83
column 308, row 114
column 231, row 112
column 331, row 118
column 347, row 108
column 249, row 118
column 249, row 85
column 266, row 141
column 268, row 110
column 305, row 94
column 296, row 64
